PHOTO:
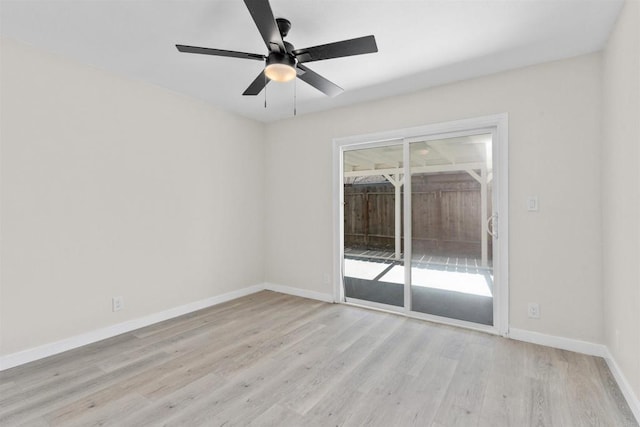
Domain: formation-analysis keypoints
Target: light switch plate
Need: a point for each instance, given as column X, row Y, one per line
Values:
column 532, row 203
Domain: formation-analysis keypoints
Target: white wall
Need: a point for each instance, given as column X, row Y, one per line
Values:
column 621, row 193
column 116, row 187
column 554, row 125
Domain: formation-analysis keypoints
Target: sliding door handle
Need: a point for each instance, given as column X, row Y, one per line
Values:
column 492, row 222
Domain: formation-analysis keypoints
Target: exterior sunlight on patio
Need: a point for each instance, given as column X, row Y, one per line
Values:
column 457, row 281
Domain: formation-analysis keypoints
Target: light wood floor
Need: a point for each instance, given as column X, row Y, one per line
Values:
column 273, row 359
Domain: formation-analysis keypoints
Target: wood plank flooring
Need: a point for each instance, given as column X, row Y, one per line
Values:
column 270, row 359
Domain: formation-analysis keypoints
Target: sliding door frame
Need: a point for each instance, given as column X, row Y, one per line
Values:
column 495, row 124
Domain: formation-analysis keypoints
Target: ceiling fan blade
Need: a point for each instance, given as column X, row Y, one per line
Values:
column 262, row 15
column 359, row 46
column 317, row 81
column 220, row 52
column 257, row 85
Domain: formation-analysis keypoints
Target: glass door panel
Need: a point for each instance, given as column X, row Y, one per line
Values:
column 373, row 245
column 451, row 250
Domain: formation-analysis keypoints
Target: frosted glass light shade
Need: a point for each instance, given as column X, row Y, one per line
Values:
column 280, row 72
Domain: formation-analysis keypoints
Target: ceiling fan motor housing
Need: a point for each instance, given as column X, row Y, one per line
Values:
column 279, row 58
column 284, row 25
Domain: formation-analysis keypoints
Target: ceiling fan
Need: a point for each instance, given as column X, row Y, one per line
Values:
column 283, row 63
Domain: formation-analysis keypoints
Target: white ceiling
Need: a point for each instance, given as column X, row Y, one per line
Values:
column 421, row 43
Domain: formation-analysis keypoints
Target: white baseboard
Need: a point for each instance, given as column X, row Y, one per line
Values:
column 570, row 344
column 583, row 347
column 50, row 349
column 29, row 355
column 304, row 293
column 625, row 387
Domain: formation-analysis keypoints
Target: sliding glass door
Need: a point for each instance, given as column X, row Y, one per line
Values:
column 373, row 244
column 419, row 225
column 451, row 249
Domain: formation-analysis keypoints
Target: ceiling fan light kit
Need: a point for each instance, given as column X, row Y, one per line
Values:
column 280, row 68
column 283, row 63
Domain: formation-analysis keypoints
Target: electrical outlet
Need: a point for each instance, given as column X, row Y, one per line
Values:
column 117, row 303
column 533, row 310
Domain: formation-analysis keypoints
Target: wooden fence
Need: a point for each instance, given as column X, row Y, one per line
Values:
column 446, row 215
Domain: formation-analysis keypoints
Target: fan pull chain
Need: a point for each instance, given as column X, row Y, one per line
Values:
column 265, row 89
column 295, row 97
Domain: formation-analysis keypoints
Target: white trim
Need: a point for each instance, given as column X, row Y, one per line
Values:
column 338, row 218
column 625, row 387
column 50, row 349
column 40, row 352
column 588, row 348
column 562, row 343
column 501, row 207
column 385, row 137
column 304, row 293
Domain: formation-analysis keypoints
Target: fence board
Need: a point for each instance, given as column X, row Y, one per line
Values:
column 445, row 221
